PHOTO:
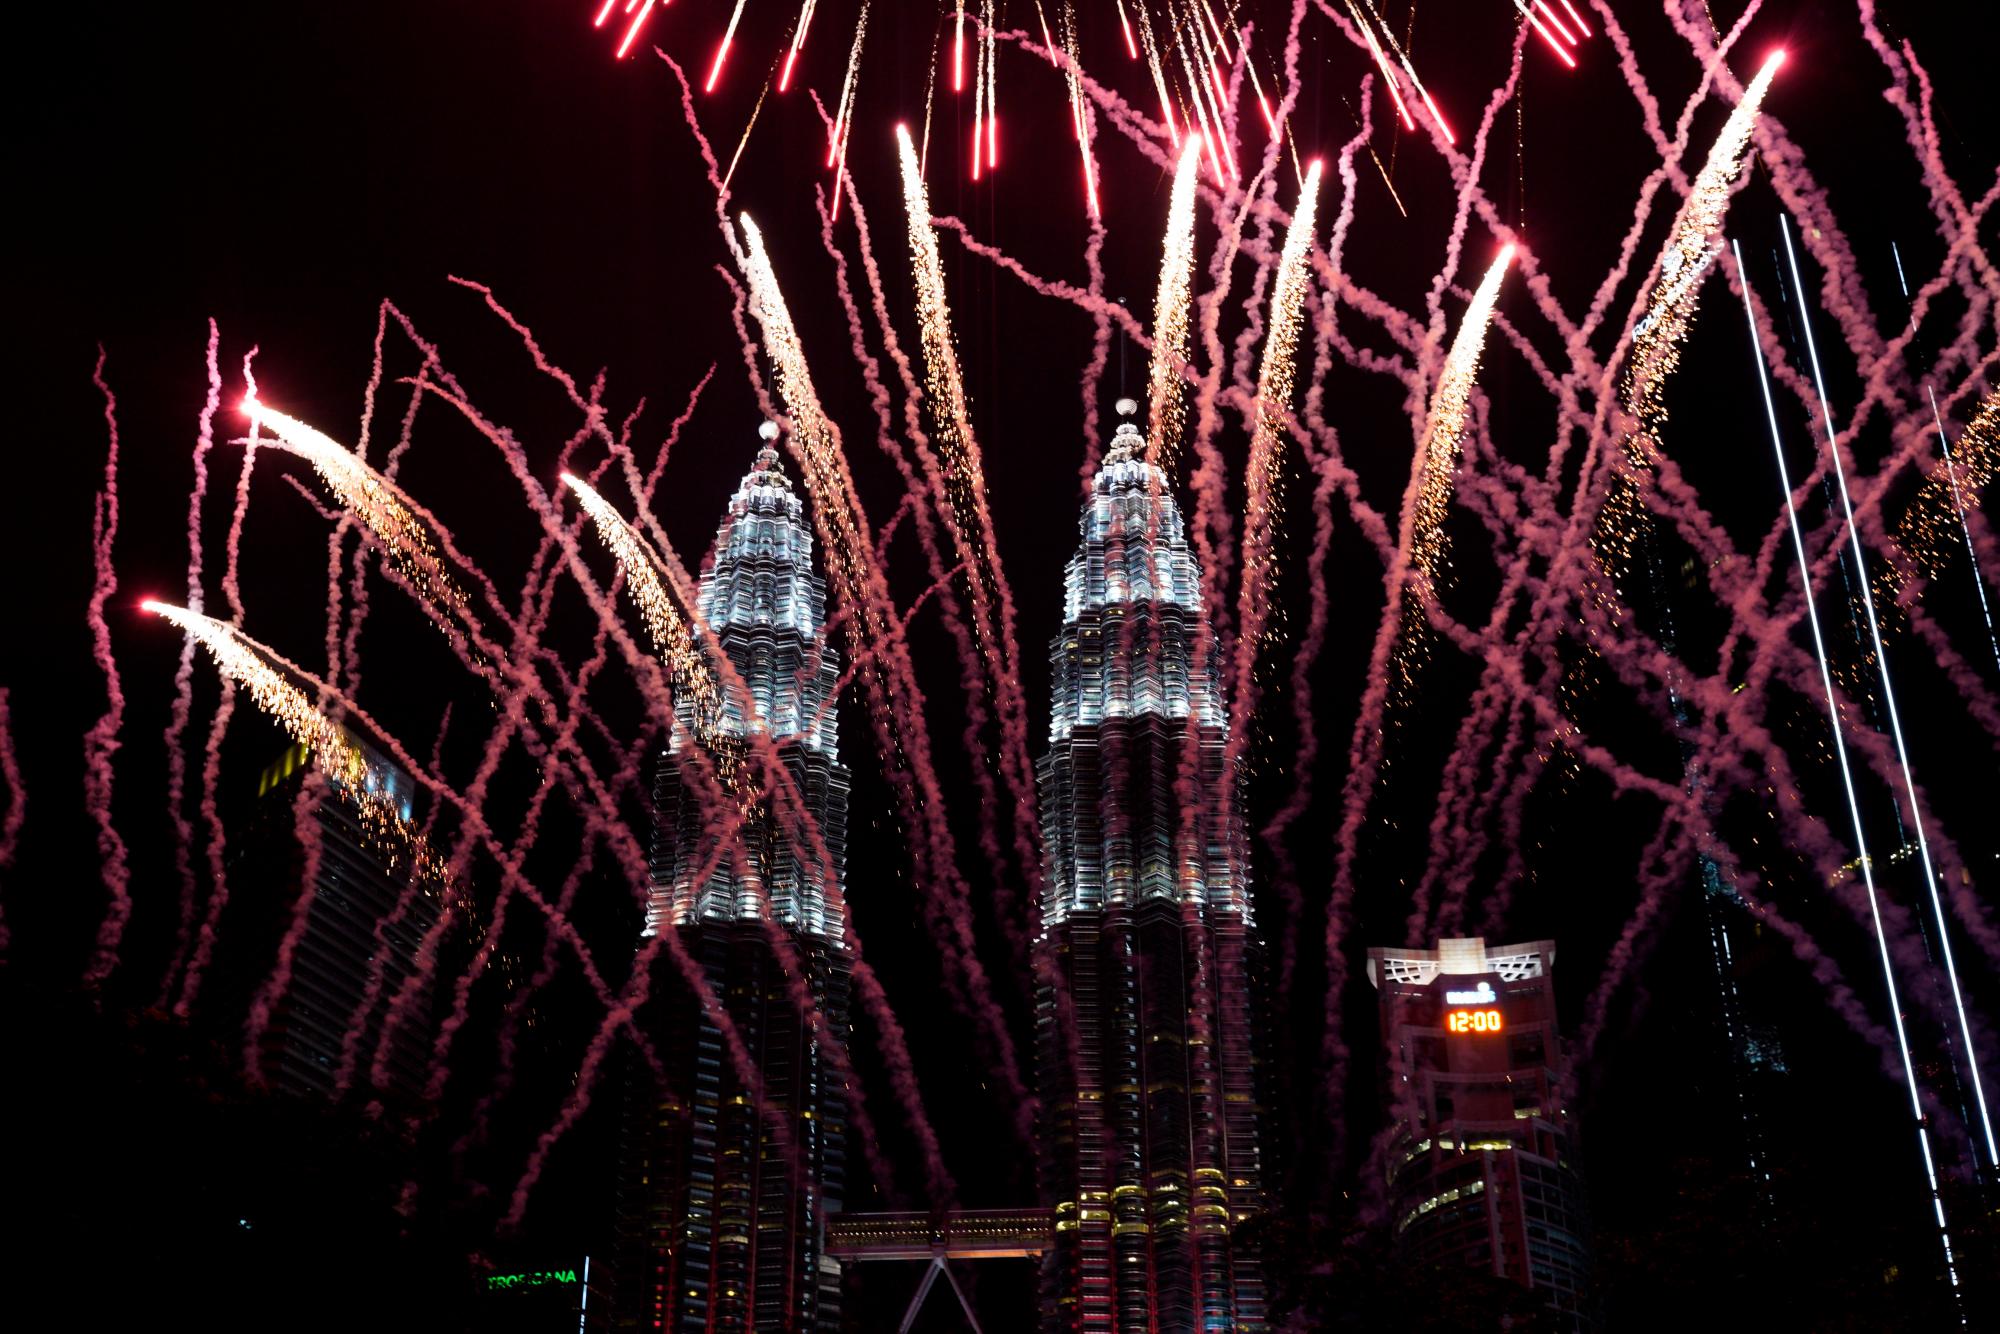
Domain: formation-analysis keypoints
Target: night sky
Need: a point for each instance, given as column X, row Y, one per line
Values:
column 281, row 169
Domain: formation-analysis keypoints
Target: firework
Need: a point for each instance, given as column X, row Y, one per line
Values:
column 344, row 764
column 1264, row 471
column 686, row 665
column 1165, row 409
column 1445, row 433
column 380, row 505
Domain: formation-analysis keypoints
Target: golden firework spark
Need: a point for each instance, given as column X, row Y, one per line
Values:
column 377, row 503
column 687, row 669
column 1658, row 336
column 1444, row 432
column 836, row 510
column 1274, row 396
column 383, row 817
column 1170, row 312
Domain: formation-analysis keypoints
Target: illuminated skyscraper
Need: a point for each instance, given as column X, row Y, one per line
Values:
column 1151, row 1163
column 723, row 1201
column 1481, row 1172
column 363, row 919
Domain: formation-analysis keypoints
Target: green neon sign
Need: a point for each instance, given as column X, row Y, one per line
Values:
column 533, row 1278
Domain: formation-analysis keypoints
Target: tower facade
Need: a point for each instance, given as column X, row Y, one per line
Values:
column 1145, row 953
column 726, row 1183
column 1481, row 1172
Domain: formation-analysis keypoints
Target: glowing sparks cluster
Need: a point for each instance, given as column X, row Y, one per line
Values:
column 687, row 669
column 848, row 548
column 1662, row 329
column 1444, row 432
column 1165, row 408
column 1430, row 499
column 377, row 503
column 383, row 819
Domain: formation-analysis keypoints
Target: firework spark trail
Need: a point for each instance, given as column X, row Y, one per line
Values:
column 177, row 720
column 890, row 682
column 686, row 664
column 1209, row 526
column 263, row 674
column 923, row 493
column 1164, row 407
column 1656, row 334
column 1263, row 470
column 101, row 742
column 842, row 128
column 1322, row 447
column 1409, row 585
column 411, row 539
column 1854, row 812
column 957, row 474
column 1982, row 469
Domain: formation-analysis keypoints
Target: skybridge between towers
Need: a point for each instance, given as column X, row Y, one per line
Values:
column 936, row 1239
column 956, row 1234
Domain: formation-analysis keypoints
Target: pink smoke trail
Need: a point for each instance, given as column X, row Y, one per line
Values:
column 101, row 742
column 17, row 807
column 270, row 995
column 211, row 770
column 177, row 721
column 406, row 898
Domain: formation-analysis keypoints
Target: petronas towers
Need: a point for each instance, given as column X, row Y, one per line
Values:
column 1143, row 946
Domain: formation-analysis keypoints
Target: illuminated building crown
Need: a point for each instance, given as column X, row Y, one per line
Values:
column 1136, row 666
column 764, row 609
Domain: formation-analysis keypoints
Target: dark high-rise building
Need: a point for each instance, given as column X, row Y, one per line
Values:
column 364, row 923
column 725, row 1192
column 1151, row 1162
column 1481, row 1173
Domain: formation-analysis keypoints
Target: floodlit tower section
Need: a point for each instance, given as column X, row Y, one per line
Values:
column 1151, row 1164
column 724, row 1197
column 1480, row 1166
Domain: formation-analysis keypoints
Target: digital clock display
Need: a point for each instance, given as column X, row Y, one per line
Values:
column 1473, row 1021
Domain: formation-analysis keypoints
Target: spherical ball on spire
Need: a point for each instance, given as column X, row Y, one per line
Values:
column 769, row 430
column 1126, row 407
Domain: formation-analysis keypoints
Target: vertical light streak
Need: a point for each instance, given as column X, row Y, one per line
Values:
column 1125, row 23
column 843, row 120
column 604, row 13
column 1576, row 18
column 1889, row 699
column 1554, row 22
column 992, row 89
column 722, row 51
column 1965, row 528
column 1170, row 312
column 632, row 30
column 1847, row 779
column 1547, row 36
column 1382, row 62
column 958, row 51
